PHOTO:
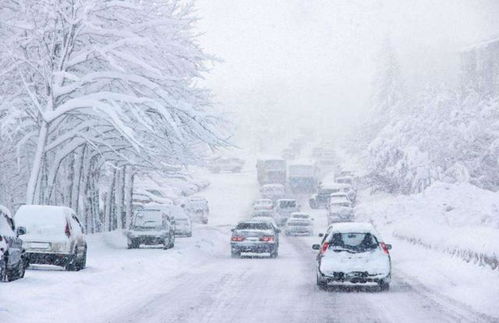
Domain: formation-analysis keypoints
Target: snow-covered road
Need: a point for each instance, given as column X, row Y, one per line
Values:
column 198, row 281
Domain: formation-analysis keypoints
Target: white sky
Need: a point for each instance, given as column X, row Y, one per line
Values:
column 311, row 61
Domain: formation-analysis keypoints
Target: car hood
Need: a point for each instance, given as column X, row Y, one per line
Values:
column 374, row 262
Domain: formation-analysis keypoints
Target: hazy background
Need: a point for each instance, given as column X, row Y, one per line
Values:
column 289, row 64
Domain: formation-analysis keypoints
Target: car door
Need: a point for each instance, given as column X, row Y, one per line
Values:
column 15, row 244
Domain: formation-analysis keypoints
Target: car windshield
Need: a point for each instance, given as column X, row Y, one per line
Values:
column 353, row 241
column 150, row 219
column 253, row 226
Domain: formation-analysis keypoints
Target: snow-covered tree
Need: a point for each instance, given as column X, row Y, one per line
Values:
column 91, row 83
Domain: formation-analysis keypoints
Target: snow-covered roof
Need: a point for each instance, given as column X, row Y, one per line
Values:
column 358, row 227
column 273, row 186
column 332, row 186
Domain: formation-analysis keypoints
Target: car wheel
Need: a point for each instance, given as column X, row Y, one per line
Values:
column 274, row 253
column 71, row 262
column 21, row 269
column 384, row 286
column 82, row 263
column 321, row 284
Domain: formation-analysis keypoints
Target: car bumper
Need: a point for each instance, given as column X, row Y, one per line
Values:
column 38, row 258
column 148, row 240
column 355, row 278
column 253, row 247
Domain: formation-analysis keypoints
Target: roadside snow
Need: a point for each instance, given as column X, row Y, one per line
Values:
column 445, row 240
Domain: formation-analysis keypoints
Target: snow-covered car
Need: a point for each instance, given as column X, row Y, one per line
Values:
column 263, row 204
column 12, row 256
column 197, row 208
column 300, row 216
column 54, row 236
column 321, row 198
column 340, row 210
column 263, row 213
column 183, row 223
column 234, row 165
column 254, row 237
column 296, row 226
column 284, row 208
column 151, row 226
column 353, row 253
column 273, row 191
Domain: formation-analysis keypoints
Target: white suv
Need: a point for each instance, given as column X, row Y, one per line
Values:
column 54, row 236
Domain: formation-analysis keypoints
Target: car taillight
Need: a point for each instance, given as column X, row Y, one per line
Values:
column 384, row 248
column 237, row 238
column 66, row 230
column 267, row 239
column 325, row 245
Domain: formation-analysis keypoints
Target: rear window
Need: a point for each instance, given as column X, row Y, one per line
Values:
column 148, row 219
column 253, row 226
column 353, row 241
column 41, row 220
column 287, row 204
column 298, row 224
column 300, row 216
column 346, row 204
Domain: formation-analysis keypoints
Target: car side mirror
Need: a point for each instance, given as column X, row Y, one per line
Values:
column 388, row 246
column 316, row 246
column 21, row 231
column 321, row 235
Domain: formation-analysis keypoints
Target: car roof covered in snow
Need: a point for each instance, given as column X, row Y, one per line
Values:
column 358, row 227
column 330, row 186
column 272, row 186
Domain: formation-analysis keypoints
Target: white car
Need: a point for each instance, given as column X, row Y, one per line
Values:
column 353, row 253
column 340, row 210
column 263, row 204
column 197, row 208
column 296, row 226
column 273, row 191
column 284, row 208
column 263, row 213
column 183, row 223
column 300, row 216
column 54, row 236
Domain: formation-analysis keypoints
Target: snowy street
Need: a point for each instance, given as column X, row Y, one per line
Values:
column 198, row 281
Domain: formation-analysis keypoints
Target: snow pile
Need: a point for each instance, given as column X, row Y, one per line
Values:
column 459, row 219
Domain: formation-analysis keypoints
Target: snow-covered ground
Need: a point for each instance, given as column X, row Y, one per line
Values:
column 198, row 281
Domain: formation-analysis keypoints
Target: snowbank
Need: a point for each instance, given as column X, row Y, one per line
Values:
column 458, row 219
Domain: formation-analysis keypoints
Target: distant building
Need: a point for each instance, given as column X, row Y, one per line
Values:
column 480, row 67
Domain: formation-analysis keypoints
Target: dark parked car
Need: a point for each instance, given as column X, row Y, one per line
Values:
column 151, row 226
column 254, row 237
column 13, row 261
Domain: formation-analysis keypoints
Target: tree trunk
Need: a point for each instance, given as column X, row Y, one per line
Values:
column 128, row 195
column 109, row 203
column 37, row 164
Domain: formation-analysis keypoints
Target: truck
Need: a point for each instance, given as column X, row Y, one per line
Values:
column 302, row 178
column 271, row 171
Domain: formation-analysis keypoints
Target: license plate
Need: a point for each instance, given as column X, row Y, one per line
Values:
column 252, row 239
column 39, row 245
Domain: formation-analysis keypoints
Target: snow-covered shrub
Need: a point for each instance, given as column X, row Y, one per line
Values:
column 446, row 137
